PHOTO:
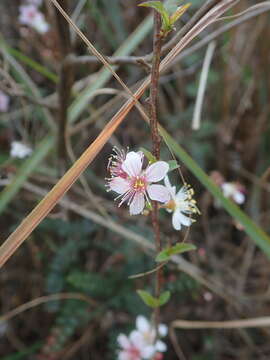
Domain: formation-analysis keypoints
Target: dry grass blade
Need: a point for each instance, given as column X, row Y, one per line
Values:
column 231, row 324
column 46, row 205
column 196, row 121
column 263, row 5
column 205, row 21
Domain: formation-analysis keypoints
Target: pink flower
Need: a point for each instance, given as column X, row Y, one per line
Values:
column 137, row 185
column 31, row 16
column 4, row 102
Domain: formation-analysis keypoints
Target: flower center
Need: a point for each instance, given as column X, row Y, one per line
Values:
column 171, row 205
column 31, row 14
column 134, row 353
column 139, row 184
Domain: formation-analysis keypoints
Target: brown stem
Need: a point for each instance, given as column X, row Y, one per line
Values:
column 66, row 80
column 157, row 43
column 154, row 85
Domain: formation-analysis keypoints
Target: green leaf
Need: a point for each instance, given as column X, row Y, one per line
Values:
column 151, row 158
column 148, row 299
column 153, row 302
column 33, row 64
column 173, row 165
column 254, row 231
column 180, row 248
column 164, row 298
column 178, row 13
column 159, row 7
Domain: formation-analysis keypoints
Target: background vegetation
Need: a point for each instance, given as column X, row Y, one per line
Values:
column 80, row 257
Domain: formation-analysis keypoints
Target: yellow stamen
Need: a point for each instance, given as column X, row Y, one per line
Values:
column 170, row 205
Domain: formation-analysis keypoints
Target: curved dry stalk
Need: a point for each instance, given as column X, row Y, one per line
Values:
column 230, row 324
column 44, row 299
column 8, row 248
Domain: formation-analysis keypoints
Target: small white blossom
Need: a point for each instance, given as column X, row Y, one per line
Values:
column 145, row 335
column 141, row 343
column 181, row 204
column 129, row 349
column 31, row 16
column 208, row 296
column 234, row 191
column 4, row 102
column 19, row 150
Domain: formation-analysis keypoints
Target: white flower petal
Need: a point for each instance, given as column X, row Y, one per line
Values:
column 132, row 164
column 182, row 194
column 160, row 346
column 156, row 171
column 123, row 355
column 158, row 193
column 163, row 330
column 228, row 189
column 176, row 220
column 185, row 220
column 40, row 24
column 239, row 197
column 123, row 341
column 19, row 150
column 142, row 324
column 171, row 189
column 141, row 154
column 137, row 204
column 137, row 339
column 119, row 185
column 148, row 352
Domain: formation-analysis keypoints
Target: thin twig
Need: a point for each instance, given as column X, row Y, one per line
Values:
column 112, row 60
